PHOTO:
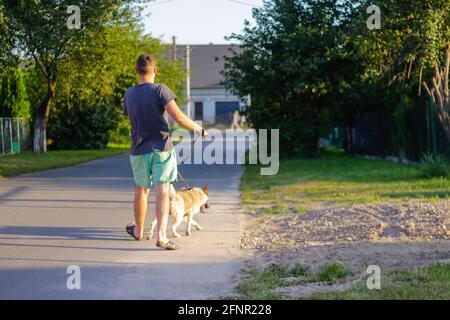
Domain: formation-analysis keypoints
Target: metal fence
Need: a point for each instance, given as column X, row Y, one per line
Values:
column 373, row 134
column 15, row 136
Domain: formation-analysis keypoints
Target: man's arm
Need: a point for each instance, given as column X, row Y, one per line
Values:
column 182, row 119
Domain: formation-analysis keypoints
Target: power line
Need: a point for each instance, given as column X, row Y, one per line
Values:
column 242, row 2
column 162, row 2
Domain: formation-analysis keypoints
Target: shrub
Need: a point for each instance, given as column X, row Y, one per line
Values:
column 278, row 209
column 299, row 271
column 434, row 166
column 331, row 273
column 14, row 100
column 82, row 126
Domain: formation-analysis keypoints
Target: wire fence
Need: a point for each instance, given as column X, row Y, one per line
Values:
column 374, row 134
column 15, row 136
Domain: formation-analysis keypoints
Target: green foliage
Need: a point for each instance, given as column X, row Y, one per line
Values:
column 278, row 209
column 35, row 86
column 426, row 283
column 13, row 95
column 41, row 35
column 332, row 273
column 434, row 166
column 104, row 67
column 336, row 179
column 294, row 69
column 299, row 271
column 432, row 282
column 82, row 74
column 7, row 57
column 259, row 284
column 312, row 65
column 85, row 126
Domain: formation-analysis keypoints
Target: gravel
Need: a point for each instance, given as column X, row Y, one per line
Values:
column 393, row 235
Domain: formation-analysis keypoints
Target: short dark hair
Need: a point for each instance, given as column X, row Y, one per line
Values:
column 144, row 63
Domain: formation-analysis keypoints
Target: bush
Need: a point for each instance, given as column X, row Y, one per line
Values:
column 332, row 273
column 434, row 167
column 82, row 126
column 121, row 135
column 14, row 100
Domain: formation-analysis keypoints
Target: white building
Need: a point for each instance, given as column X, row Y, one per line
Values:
column 210, row 101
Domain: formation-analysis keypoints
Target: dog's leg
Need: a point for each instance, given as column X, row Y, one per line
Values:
column 152, row 228
column 176, row 223
column 196, row 225
column 189, row 224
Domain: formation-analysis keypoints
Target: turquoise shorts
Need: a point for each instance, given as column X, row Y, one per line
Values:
column 155, row 168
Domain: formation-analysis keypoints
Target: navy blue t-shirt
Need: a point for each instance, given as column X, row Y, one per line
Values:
column 144, row 105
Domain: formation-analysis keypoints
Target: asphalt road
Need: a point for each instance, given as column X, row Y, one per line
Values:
column 76, row 216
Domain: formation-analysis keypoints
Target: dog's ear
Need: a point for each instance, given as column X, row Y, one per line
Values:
column 205, row 189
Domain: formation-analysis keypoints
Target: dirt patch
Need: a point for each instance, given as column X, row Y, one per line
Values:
column 393, row 235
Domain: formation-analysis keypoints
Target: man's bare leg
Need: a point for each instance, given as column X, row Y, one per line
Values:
column 162, row 210
column 140, row 210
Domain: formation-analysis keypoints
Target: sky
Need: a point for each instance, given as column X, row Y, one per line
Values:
column 198, row 21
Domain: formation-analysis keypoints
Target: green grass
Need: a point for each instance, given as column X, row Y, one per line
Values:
column 27, row 162
column 332, row 273
column 340, row 179
column 432, row 282
column 336, row 179
column 260, row 285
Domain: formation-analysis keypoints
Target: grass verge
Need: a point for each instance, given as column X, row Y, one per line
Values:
column 27, row 162
column 336, row 179
column 432, row 282
column 340, row 179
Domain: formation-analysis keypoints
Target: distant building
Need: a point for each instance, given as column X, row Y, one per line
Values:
column 210, row 101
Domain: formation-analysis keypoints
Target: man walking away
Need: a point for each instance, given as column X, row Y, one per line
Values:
column 153, row 157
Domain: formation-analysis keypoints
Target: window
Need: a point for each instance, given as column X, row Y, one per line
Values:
column 224, row 112
column 198, row 111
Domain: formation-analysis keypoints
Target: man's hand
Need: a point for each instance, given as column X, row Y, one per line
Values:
column 204, row 133
column 182, row 119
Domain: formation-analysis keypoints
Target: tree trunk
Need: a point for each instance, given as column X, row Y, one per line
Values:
column 439, row 92
column 315, row 147
column 41, row 120
column 348, row 139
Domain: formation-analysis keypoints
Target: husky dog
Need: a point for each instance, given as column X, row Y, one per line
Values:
column 184, row 204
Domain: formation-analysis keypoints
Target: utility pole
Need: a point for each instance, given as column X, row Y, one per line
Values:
column 174, row 48
column 188, row 80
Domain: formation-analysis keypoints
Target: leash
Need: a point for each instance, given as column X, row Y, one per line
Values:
column 186, row 184
column 193, row 143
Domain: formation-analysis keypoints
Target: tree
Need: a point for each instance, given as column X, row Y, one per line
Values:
column 88, row 103
column 439, row 92
column 400, row 56
column 13, row 95
column 293, row 66
column 42, row 34
column 6, row 40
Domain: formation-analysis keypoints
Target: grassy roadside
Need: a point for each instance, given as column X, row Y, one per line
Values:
column 432, row 282
column 336, row 179
column 339, row 179
column 27, row 162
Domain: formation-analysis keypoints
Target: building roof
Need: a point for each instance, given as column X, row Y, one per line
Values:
column 207, row 63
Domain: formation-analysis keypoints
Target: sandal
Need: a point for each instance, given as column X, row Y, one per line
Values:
column 130, row 231
column 168, row 246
